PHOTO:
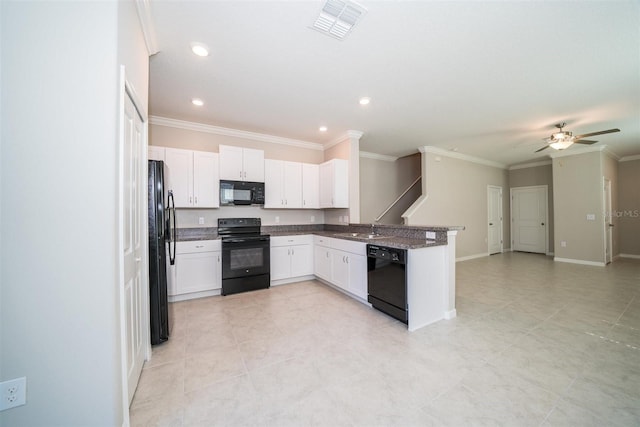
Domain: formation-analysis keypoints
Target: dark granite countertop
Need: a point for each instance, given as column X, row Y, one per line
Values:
column 395, row 236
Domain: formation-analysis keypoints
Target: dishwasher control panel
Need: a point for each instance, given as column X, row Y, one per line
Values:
column 383, row 252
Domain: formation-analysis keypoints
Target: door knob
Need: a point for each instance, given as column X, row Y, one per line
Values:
column 611, row 225
column 542, row 223
column 490, row 223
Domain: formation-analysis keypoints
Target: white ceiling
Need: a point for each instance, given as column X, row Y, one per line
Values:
column 489, row 79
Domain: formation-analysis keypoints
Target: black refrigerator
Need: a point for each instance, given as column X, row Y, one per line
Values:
column 161, row 237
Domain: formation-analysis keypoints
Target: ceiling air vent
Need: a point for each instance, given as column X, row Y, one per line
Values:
column 338, row 17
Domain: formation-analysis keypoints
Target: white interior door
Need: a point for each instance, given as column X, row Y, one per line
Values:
column 608, row 223
column 529, row 219
column 132, row 215
column 494, row 203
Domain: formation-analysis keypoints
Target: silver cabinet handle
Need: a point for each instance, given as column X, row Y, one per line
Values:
column 292, row 251
column 138, row 259
column 347, row 260
column 201, row 246
column 240, row 174
column 196, row 200
column 218, row 258
column 190, row 199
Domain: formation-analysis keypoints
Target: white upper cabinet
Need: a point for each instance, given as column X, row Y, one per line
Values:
column 241, row 164
column 310, row 186
column 180, row 164
column 193, row 178
column 155, row 153
column 282, row 184
column 334, row 184
column 206, row 183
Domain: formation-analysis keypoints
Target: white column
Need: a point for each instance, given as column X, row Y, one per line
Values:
column 450, row 280
column 354, row 175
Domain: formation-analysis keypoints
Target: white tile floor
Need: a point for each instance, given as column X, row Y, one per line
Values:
column 535, row 343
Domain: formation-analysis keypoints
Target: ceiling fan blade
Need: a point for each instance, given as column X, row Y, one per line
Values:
column 584, row 141
column 602, row 132
column 543, row 148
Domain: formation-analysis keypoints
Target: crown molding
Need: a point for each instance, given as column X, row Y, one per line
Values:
column 629, row 158
column 348, row 135
column 460, row 156
column 530, row 165
column 377, row 156
column 217, row 130
column 146, row 25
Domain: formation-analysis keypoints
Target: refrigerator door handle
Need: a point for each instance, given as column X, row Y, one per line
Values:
column 172, row 232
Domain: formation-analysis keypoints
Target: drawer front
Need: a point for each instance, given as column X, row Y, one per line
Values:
column 304, row 239
column 358, row 248
column 196, row 246
column 322, row 241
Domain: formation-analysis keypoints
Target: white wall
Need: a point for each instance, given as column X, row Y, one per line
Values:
column 577, row 192
column 59, row 313
column 628, row 213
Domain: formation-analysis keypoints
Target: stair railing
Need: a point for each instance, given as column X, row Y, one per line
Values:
column 398, row 199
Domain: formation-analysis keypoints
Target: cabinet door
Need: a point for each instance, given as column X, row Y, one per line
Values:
column 206, row 183
column 301, row 260
column 340, row 273
column 280, row 259
column 217, row 274
column 253, row 164
column 310, row 186
column 180, row 164
column 231, row 163
column 196, row 272
column 292, row 185
column 326, row 185
column 155, row 153
column 340, row 183
column 322, row 262
column 172, row 288
column 273, row 178
column 357, row 275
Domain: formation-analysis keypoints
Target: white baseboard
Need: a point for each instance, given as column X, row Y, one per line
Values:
column 193, row 295
column 467, row 258
column 450, row 314
column 292, row 280
column 629, row 256
column 579, row 261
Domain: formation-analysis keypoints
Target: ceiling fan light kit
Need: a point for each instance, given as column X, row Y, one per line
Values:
column 563, row 139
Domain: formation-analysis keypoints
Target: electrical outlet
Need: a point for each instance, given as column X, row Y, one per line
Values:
column 277, row 220
column 201, row 220
column 13, row 393
column 591, row 217
column 313, row 218
column 563, row 244
column 431, row 235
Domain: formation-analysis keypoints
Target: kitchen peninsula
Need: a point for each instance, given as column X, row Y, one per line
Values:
column 336, row 255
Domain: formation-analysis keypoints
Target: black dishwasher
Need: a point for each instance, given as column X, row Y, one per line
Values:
column 387, row 280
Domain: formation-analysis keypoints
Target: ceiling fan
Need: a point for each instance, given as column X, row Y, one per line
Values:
column 564, row 139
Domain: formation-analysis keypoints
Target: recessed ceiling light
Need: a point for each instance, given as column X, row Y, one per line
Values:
column 365, row 100
column 197, row 102
column 322, row 128
column 199, row 49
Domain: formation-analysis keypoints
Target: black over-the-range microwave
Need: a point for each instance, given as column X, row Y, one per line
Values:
column 241, row 193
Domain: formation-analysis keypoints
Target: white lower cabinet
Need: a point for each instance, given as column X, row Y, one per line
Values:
column 291, row 256
column 197, row 269
column 342, row 263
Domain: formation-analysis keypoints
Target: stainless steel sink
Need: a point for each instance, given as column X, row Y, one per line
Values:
column 367, row 236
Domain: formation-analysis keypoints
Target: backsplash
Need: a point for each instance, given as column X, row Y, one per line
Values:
column 190, row 218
